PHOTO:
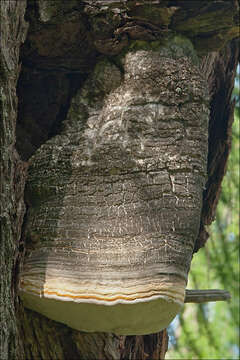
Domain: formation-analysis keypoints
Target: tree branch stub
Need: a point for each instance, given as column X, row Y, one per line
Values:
column 202, row 296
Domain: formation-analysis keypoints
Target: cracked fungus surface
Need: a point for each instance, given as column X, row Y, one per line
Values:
column 116, row 198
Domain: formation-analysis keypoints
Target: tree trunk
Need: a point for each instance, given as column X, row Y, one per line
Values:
column 63, row 44
column 13, row 32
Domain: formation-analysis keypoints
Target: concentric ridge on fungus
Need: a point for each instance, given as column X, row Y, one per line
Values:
column 129, row 295
column 116, row 197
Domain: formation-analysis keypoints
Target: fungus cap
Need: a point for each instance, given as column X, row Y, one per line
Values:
column 125, row 307
column 116, row 198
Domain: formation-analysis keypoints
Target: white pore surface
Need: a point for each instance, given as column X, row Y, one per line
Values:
column 122, row 319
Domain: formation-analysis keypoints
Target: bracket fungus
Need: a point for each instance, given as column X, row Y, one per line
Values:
column 115, row 198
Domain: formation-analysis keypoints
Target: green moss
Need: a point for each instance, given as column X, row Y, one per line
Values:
column 52, row 10
column 48, row 10
column 173, row 46
column 154, row 14
column 145, row 45
column 100, row 66
column 182, row 46
column 215, row 42
column 203, row 23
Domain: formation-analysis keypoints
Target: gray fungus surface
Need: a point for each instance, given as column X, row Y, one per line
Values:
column 115, row 198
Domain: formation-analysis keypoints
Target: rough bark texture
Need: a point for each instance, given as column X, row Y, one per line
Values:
column 47, row 339
column 222, row 111
column 13, row 31
column 64, row 42
column 221, row 69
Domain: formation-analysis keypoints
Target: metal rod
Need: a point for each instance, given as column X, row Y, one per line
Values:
column 202, row 296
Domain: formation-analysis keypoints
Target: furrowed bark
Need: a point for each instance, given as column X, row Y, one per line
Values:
column 13, row 32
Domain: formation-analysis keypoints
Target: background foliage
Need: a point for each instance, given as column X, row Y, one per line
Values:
column 211, row 331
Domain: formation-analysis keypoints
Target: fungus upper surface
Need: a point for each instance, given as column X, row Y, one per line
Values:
column 109, row 196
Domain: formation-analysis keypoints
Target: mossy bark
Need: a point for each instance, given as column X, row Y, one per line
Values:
column 64, row 41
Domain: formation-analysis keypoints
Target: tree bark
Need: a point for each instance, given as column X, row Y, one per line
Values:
column 13, row 32
column 63, row 44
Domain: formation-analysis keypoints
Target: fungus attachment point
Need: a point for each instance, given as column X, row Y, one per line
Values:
column 116, row 198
